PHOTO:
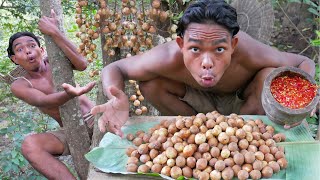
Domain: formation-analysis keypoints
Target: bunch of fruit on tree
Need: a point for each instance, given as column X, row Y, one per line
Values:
column 128, row 24
column 137, row 99
column 123, row 24
column 208, row 146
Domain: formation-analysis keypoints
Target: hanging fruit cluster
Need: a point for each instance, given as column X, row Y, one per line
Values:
column 137, row 99
column 89, row 29
column 126, row 24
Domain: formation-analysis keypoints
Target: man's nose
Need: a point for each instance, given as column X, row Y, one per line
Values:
column 28, row 51
column 207, row 62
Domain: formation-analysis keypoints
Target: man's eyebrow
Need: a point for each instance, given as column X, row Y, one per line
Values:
column 195, row 40
column 216, row 42
column 16, row 45
column 30, row 40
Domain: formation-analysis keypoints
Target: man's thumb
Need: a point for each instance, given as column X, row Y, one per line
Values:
column 53, row 14
column 66, row 86
column 119, row 133
column 98, row 109
column 114, row 91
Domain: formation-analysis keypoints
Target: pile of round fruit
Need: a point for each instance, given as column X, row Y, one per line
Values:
column 208, row 146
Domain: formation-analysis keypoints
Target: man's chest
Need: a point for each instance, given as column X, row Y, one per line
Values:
column 235, row 78
column 44, row 84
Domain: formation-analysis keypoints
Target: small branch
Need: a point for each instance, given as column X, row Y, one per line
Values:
column 2, row 4
column 8, row 7
column 305, row 49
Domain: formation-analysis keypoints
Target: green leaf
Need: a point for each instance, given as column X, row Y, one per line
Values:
column 296, row 1
column 311, row 3
column 15, row 161
column 303, row 161
column 185, row 1
column 314, row 11
column 312, row 120
column 21, row 158
column 11, row 129
column 7, row 168
column 14, row 154
column 3, row 131
column 18, row 136
column 315, row 42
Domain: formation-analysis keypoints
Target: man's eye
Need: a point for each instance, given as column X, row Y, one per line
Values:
column 220, row 50
column 194, row 49
column 33, row 45
column 19, row 50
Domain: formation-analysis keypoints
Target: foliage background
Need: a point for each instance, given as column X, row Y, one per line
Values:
column 17, row 119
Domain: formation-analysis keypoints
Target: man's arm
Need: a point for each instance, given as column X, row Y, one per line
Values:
column 259, row 56
column 48, row 26
column 299, row 61
column 160, row 61
column 37, row 98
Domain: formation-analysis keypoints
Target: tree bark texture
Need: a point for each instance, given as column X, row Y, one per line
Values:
column 75, row 128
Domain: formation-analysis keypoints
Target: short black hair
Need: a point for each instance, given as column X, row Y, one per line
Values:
column 209, row 11
column 16, row 36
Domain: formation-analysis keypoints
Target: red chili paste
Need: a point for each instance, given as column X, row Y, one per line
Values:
column 293, row 91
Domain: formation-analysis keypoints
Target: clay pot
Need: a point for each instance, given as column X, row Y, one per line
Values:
column 279, row 113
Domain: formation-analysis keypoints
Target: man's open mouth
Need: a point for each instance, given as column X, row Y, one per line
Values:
column 31, row 59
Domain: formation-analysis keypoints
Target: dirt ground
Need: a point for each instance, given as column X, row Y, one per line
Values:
column 295, row 34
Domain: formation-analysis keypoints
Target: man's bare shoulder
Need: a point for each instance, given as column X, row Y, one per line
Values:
column 19, row 86
column 170, row 54
column 163, row 60
column 251, row 53
column 164, row 56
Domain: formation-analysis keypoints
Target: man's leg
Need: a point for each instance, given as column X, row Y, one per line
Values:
column 164, row 95
column 252, row 94
column 39, row 149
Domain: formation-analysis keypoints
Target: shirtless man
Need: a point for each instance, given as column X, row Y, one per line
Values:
column 37, row 89
column 211, row 66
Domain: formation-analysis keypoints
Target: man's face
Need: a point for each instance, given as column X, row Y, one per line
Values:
column 207, row 50
column 27, row 53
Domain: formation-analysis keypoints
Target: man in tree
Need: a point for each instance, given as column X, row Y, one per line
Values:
column 37, row 89
column 211, row 66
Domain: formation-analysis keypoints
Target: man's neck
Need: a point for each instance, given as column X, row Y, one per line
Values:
column 37, row 73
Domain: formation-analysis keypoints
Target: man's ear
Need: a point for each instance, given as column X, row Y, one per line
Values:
column 42, row 50
column 13, row 58
column 234, row 42
column 179, row 41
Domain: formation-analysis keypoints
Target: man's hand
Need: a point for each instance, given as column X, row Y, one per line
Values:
column 77, row 91
column 115, row 112
column 287, row 126
column 48, row 25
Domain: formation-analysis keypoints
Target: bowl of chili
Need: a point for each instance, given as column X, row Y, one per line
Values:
column 289, row 95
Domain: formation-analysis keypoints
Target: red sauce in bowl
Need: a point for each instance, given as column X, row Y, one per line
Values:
column 293, row 91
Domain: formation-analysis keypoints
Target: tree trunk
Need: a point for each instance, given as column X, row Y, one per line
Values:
column 75, row 128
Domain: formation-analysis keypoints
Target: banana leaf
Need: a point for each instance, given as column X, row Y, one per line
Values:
column 110, row 156
column 303, row 160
